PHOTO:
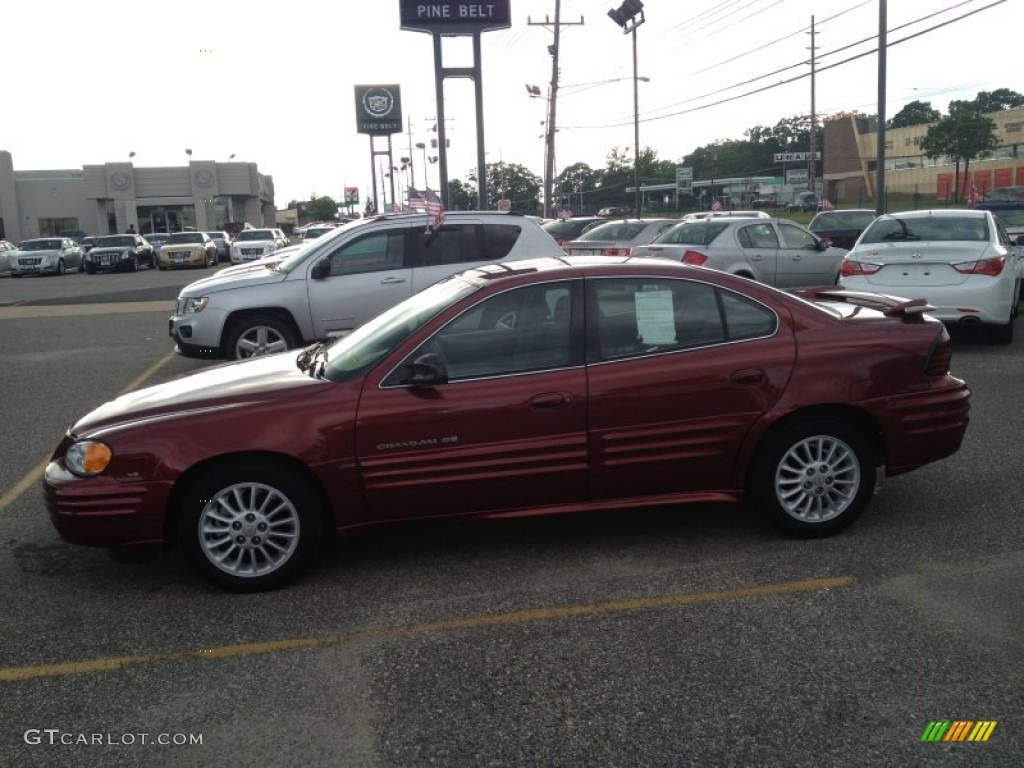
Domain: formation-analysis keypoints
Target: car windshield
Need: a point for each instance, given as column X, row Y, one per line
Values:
column 185, row 237
column 842, row 220
column 255, row 234
column 41, row 245
column 353, row 355
column 615, row 230
column 114, row 241
column 932, row 228
column 215, row 235
column 692, row 233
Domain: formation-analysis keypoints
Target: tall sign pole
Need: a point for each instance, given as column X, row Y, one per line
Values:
column 379, row 113
column 453, row 18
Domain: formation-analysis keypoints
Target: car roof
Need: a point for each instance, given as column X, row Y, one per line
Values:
column 965, row 213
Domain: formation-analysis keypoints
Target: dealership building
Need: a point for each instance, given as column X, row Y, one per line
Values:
column 851, row 153
column 110, row 198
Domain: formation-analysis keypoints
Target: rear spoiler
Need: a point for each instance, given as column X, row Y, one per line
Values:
column 890, row 306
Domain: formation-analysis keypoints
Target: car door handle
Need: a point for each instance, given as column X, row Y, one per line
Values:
column 746, row 376
column 550, row 400
column 392, row 280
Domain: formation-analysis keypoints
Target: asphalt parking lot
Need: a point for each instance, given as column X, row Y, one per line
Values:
column 663, row 638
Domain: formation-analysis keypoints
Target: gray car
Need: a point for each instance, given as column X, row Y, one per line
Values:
column 617, row 238
column 46, row 256
column 6, row 251
column 773, row 251
column 335, row 283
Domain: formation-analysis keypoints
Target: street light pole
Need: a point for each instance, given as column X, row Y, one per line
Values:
column 626, row 17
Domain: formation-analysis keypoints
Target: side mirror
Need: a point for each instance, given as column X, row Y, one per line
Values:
column 321, row 269
column 427, row 371
column 822, row 245
column 1020, row 239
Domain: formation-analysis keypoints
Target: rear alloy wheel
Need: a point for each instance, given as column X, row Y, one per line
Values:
column 259, row 335
column 815, row 479
column 249, row 526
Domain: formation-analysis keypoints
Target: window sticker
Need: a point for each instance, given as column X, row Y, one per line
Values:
column 654, row 317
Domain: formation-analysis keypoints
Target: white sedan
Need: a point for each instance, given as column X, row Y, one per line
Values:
column 962, row 262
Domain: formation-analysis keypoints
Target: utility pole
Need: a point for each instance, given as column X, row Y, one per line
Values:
column 812, row 163
column 880, row 202
column 549, row 130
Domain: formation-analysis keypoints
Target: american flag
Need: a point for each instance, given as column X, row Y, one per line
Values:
column 825, row 204
column 435, row 209
column 972, row 196
column 716, row 206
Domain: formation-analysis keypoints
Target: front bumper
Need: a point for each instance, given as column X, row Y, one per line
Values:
column 103, row 511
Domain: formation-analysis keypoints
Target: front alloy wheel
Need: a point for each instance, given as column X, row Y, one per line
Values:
column 250, row 527
column 815, row 479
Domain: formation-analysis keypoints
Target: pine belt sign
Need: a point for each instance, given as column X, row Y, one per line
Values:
column 378, row 109
column 455, row 17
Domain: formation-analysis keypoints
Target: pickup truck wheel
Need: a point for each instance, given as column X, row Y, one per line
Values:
column 259, row 335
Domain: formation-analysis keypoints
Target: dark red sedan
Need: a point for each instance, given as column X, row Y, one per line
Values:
column 536, row 387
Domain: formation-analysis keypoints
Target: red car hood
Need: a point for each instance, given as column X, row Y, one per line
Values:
column 231, row 385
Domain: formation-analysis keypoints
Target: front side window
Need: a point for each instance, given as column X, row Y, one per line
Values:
column 522, row 330
column 375, row 252
column 795, row 238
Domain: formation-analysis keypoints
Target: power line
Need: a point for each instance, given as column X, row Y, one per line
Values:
column 797, row 77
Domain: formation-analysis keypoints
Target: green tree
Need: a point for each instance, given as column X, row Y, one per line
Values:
column 915, row 113
column 323, row 208
column 962, row 135
column 992, row 101
column 575, row 186
column 461, row 196
column 513, row 182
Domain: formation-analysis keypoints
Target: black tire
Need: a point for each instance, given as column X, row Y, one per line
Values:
column 1002, row 334
column 61, row 268
column 814, row 478
column 267, row 527
column 161, row 267
column 135, row 264
column 258, row 335
column 89, row 270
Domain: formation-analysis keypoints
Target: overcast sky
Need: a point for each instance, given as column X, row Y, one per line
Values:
column 272, row 82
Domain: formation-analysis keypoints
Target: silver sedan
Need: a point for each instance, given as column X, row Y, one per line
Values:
column 46, row 256
column 773, row 251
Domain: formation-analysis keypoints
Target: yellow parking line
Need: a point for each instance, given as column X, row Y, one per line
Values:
column 548, row 613
column 36, row 472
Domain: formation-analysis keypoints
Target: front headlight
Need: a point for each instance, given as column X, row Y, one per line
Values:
column 126, row 255
column 195, row 304
column 88, row 457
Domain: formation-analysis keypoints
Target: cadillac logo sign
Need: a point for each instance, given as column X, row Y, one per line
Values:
column 378, row 109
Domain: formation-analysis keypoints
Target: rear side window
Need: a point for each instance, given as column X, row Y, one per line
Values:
column 454, row 244
column 499, row 240
column 758, row 236
column 694, row 233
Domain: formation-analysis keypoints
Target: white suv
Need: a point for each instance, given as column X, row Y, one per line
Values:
column 338, row 281
column 252, row 244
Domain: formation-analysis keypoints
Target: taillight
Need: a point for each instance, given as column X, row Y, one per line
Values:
column 694, row 257
column 616, row 251
column 940, row 356
column 991, row 267
column 849, row 268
